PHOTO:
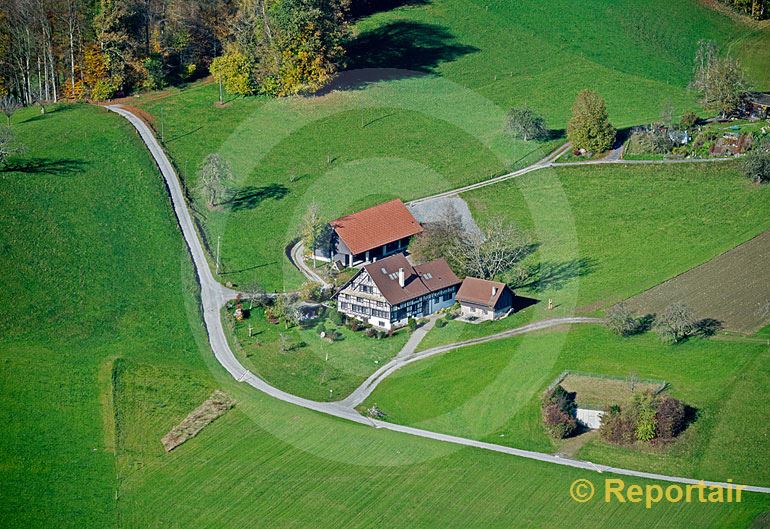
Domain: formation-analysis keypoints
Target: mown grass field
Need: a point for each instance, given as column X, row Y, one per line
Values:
column 102, row 352
column 314, row 368
column 492, row 392
column 732, row 288
column 607, row 233
column 436, row 122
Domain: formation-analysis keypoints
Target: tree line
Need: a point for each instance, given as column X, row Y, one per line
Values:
column 100, row 49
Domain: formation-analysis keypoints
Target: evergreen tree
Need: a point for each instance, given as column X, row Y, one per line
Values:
column 590, row 128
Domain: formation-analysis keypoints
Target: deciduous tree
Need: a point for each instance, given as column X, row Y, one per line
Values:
column 590, row 128
column 676, row 324
column 526, row 124
column 214, row 176
column 719, row 79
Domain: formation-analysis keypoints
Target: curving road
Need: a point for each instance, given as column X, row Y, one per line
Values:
column 214, row 296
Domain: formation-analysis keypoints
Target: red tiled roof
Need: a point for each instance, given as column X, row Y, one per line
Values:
column 376, row 226
column 479, row 291
column 418, row 280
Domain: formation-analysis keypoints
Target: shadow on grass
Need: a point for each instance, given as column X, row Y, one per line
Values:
column 397, row 50
column 365, row 8
column 48, row 112
column 62, row 166
column 522, row 302
column 550, row 275
column 228, row 272
column 250, row 197
column 180, row 136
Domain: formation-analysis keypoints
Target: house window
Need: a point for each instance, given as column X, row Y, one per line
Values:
column 473, row 309
column 446, row 297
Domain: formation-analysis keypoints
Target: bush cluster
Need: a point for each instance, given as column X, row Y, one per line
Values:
column 558, row 409
column 646, row 418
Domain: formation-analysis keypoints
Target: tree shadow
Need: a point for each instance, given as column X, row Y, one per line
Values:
column 182, row 135
column 62, row 166
column 550, row 275
column 364, row 8
column 250, row 197
column 39, row 116
column 397, row 50
column 557, row 134
column 707, row 327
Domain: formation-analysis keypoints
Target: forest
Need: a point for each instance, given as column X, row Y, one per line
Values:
column 98, row 50
column 101, row 49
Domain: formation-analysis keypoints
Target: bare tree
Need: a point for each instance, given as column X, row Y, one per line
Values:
column 620, row 320
column 214, row 176
column 441, row 239
column 8, row 144
column 495, row 249
column 312, row 228
column 9, row 105
column 719, row 79
column 676, row 323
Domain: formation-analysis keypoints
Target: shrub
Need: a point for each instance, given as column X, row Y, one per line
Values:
column 412, row 324
column 646, row 428
column 312, row 291
column 689, row 119
column 336, row 317
column 371, row 332
column 320, row 328
column 441, row 322
column 646, row 417
column 558, row 410
column 670, row 417
column 756, row 164
column 354, row 325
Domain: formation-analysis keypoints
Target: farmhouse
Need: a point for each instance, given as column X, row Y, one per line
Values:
column 369, row 235
column 484, row 300
column 389, row 292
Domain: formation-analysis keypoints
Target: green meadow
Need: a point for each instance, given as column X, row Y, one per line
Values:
column 102, row 351
column 492, row 392
column 423, row 109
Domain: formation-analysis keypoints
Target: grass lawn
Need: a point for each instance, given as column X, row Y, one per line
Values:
column 315, row 369
column 607, row 233
column 434, row 124
column 630, row 227
column 102, row 351
column 492, row 392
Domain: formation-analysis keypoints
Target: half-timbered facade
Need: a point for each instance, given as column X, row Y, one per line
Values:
column 389, row 292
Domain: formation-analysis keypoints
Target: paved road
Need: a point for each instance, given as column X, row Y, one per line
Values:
column 297, row 254
column 214, row 296
column 408, row 356
column 550, row 161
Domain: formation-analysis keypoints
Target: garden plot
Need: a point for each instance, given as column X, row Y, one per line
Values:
column 598, row 392
column 732, row 288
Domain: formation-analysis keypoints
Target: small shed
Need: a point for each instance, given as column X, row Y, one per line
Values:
column 483, row 299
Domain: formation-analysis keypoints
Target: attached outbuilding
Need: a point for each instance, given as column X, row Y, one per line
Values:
column 484, row 300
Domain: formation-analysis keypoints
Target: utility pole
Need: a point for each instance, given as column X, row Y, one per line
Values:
column 219, row 241
column 221, row 99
